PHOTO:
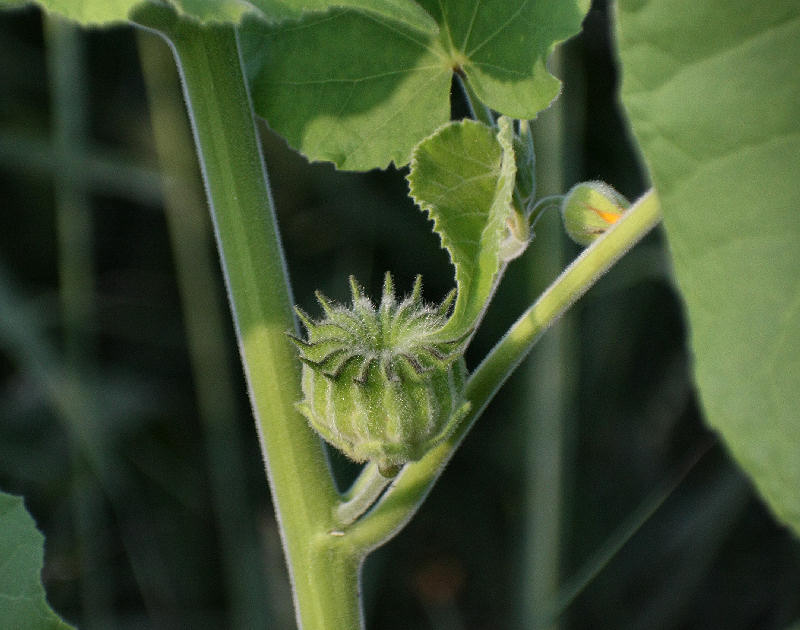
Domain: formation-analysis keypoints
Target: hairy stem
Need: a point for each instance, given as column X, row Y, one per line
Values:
column 205, row 320
column 362, row 494
column 412, row 485
column 323, row 569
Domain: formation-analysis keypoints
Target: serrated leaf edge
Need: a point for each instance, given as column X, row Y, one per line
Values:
column 504, row 137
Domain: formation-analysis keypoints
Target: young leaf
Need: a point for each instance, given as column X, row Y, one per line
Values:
column 361, row 91
column 463, row 177
column 22, row 599
column 713, row 93
column 105, row 12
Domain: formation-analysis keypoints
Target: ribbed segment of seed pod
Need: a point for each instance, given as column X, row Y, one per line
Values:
column 380, row 383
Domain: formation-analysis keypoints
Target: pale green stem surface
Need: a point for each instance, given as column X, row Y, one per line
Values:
column 412, row 485
column 362, row 494
column 205, row 322
column 323, row 568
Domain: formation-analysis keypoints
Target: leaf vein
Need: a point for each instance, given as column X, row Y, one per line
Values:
column 499, row 29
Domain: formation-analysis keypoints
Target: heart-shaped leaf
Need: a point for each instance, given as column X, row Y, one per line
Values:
column 23, row 605
column 712, row 89
column 406, row 12
column 463, row 177
column 361, row 91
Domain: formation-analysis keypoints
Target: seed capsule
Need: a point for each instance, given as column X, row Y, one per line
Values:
column 381, row 383
column 589, row 209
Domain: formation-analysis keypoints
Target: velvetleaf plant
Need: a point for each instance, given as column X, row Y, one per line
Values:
column 361, row 111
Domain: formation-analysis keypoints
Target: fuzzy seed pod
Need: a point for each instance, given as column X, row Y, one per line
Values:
column 380, row 383
column 589, row 209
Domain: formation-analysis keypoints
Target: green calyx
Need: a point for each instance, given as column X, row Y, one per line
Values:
column 381, row 383
column 589, row 209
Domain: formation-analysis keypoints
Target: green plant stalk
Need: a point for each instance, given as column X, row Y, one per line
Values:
column 403, row 498
column 205, row 320
column 323, row 569
column 362, row 494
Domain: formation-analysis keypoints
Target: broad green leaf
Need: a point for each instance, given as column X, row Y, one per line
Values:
column 463, row 177
column 405, row 12
column 105, row 12
column 90, row 12
column 214, row 10
column 22, row 599
column 361, row 91
column 712, row 89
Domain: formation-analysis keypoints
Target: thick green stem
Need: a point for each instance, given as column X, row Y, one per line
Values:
column 324, row 569
column 412, row 485
column 205, row 320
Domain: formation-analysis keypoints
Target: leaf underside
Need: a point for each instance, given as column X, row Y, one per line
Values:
column 712, row 90
column 22, row 598
column 463, row 177
column 360, row 91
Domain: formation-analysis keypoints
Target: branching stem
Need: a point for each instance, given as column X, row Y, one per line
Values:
column 403, row 498
column 326, row 536
column 324, row 570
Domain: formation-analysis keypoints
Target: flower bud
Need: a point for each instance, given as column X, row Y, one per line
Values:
column 381, row 383
column 589, row 209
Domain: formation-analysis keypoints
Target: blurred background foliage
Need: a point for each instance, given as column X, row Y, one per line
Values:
column 590, row 495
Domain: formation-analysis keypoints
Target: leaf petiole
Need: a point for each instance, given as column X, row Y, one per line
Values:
column 366, row 489
column 541, row 206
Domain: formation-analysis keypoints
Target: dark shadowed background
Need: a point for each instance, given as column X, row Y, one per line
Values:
column 589, row 488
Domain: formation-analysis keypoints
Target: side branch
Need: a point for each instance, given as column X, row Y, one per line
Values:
column 412, row 485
